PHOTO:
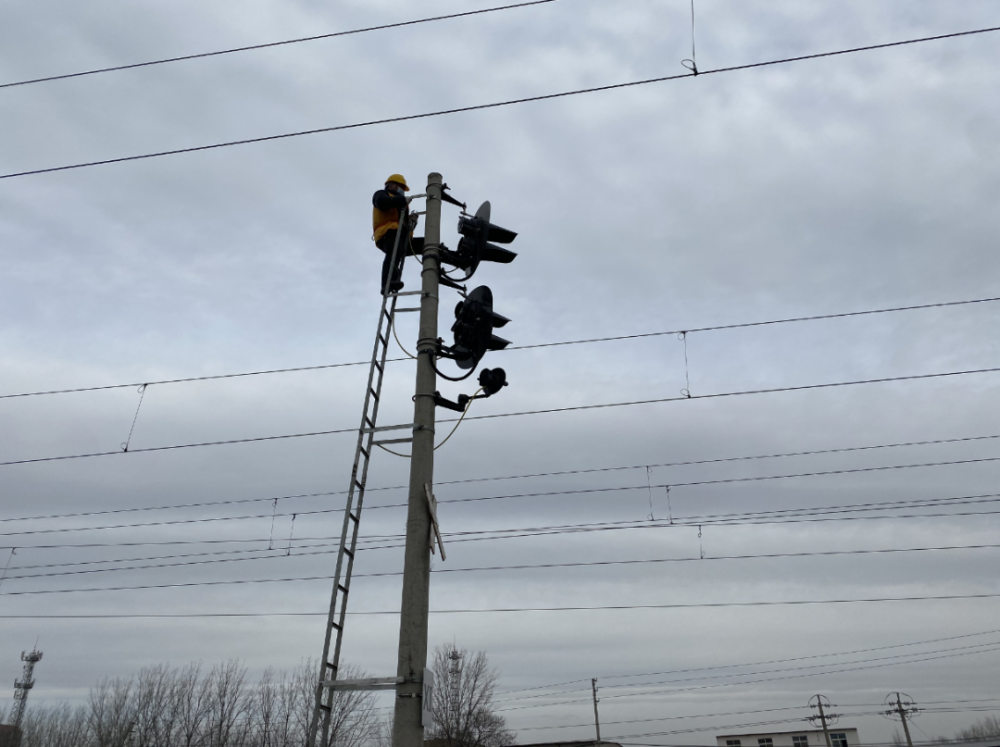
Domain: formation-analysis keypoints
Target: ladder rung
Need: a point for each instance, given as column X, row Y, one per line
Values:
column 325, row 707
column 374, row 394
column 373, row 429
column 408, row 293
column 394, row 441
column 378, row 365
column 371, row 423
column 362, row 450
column 353, row 517
column 342, row 588
column 415, row 308
column 349, row 553
column 334, row 625
column 383, row 340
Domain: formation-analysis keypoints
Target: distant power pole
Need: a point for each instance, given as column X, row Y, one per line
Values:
column 824, row 717
column 901, row 705
column 597, row 720
column 21, row 688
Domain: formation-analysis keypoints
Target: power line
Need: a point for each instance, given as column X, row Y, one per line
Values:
column 494, row 105
column 237, row 582
column 637, row 523
column 775, row 390
column 575, row 491
column 715, row 328
column 973, row 648
column 718, row 460
column 549, row 411
column 267, row 45
column 794, row 515
column 796, row 659
column 731, row 519
column 967, row 650
column 781, row 677
column 511, row 610
column 179, row 446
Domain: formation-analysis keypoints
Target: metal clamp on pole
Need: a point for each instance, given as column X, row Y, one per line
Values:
column 432, row 508
column 368, row 683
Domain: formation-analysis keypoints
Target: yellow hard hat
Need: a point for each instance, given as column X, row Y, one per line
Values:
column 399, row 179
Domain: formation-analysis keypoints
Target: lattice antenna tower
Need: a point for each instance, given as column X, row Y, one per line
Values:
column 455, row 678
column 24, row 685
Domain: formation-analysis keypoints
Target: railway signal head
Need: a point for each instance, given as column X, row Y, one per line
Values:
column 475, row 321
column 475, row 245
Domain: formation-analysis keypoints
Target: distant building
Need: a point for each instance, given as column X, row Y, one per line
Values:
column 839, row 737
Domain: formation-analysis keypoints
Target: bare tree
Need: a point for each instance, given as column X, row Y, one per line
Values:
column 111, row 712
column 230, row 702
column 463, row 710
column 58, row 726
column 190, row 700
column 167, row 707
column 984, row 728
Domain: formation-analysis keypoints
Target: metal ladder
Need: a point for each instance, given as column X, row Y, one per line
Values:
column 329, row 666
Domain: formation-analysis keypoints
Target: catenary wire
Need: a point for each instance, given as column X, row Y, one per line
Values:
column 548, row 411
column 510, row 610
column 327, row 577
column 715, row 328
column 876, row 506
column 268, row 45
column 494, row 105
column 718, row 460
column 751, row 519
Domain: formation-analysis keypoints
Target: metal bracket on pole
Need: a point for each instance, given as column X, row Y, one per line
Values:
column 369, row 683
column 435, row 529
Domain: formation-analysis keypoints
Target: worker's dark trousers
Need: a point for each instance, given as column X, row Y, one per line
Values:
column 416, row 245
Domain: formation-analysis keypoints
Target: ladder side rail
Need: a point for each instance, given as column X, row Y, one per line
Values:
column 380, row 342
column 342, row 614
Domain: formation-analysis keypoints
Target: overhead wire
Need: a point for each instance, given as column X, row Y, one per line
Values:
column 814, row 514
column 547, row 411
column 267, row 45
column 714, row 328
column 679, row 521
column 559, row 473
column 387, row 574
column 808, row 657
column 513, row 610
column 493, row 105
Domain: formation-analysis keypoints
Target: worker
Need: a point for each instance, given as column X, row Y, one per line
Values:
column 386, row 206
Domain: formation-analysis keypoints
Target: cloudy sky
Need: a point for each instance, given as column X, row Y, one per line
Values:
column 851, row 183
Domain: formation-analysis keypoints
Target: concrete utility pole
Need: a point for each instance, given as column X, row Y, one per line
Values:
column 823, row 716
column 898, row 708
column 408, row 731
column 597, row 720
column 902, row 715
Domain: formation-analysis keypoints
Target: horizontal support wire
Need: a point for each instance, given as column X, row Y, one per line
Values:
column 548, row 411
